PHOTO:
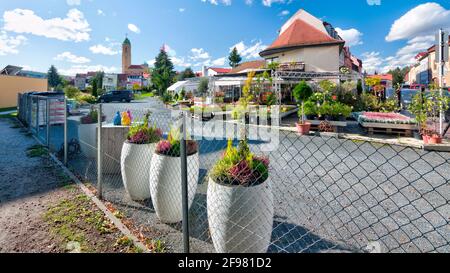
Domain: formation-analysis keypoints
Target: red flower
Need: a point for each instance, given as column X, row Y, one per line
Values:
column 334, row 98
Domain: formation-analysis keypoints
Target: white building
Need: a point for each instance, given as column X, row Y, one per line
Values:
column 110, row 82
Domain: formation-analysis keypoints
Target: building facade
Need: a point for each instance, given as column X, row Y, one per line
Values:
column 311, row 43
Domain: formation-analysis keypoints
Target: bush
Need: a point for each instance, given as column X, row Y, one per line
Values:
column 71, row 91
column 310, row 108
column 86, row 99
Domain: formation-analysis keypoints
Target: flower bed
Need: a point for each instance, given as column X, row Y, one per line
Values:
column 391, row 118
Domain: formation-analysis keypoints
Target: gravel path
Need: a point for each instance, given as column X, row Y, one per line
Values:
column 36, row 200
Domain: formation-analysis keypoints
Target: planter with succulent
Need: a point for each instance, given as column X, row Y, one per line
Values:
column 165, row 176
column 240, row 202
column 87, row 133
column 137, row 152
column 302, row 92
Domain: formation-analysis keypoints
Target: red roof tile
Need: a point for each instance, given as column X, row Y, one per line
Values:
column 221, row 70
column 383, row 77
column 300, row 33
column 258, row 64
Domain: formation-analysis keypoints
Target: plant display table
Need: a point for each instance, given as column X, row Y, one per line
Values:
column 387, row 123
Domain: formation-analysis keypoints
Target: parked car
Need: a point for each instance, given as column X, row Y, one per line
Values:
column 122, row 96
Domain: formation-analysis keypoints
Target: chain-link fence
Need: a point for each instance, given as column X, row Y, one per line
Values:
column 277, row 192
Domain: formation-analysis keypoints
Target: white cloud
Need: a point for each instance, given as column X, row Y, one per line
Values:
column 79, row 69
column 181, row 9
column 180, row 62
column 219, row 62
column 199, row 54
column 372, row 61
column 71, row 58
column 216, row 2
column 101, row 12
column 72, row 28
column 351, row 36
column 284, row 13
column 105, row 50
column 267, row 3
column 169, row 50
column 250, row 51
column 9, row 44
column 134, row 28
column 422, row 20
column 73, row 2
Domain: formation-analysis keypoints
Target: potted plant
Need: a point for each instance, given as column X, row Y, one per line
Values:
column 240, row 202
column 301, row 93
column 137, row 152
column 165, row 176
column 87, row 133
column 435, row 104
column 418, row 108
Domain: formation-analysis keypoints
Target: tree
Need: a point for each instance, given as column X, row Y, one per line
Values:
column 94, row 88
column 163, row 73
column 203, row 86
column 53, row 77
column 398, row 75
column 71, row 91
column 302, row 92
column 97, row 83
column 234, row 58
column 359, row 87
column 186, row 74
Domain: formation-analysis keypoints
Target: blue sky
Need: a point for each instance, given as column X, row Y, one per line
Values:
column 80, row 35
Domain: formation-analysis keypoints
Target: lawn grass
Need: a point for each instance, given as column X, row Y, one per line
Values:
column 144, row 96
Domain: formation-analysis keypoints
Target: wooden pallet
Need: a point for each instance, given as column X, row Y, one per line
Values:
column 405, row 130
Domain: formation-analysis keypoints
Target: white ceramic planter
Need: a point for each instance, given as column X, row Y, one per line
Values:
column 135, row 164
column 166, row 188
column 240, row 218
column 87, row 136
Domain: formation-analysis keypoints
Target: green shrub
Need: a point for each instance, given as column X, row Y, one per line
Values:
column 86, row 99
column 71, row 91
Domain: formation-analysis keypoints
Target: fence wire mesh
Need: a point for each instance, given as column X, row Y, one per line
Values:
column 319, row 194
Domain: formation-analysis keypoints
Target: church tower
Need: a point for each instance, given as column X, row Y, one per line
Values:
column 126, row 55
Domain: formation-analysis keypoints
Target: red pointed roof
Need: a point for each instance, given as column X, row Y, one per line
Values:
column 300, row 34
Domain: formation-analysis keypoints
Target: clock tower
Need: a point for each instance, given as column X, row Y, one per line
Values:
column 126, row 55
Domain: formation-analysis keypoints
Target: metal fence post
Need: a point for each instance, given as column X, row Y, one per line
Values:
column 37, row 116
column 47, row 121
column 184, row 185
column 99, row 152
column 65, row 131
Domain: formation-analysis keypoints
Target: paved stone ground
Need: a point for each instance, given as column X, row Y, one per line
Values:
column 330, row 195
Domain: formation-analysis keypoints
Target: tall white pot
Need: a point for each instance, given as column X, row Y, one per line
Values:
column 135, row 164
column 166, row 188
column 240, row 218
column 87, row 136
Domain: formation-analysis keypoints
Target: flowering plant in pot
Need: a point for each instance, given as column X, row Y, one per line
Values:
column 240, row 201
column 165, row 176
column 137, row 152
column 302, row 92
column 87, row 133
